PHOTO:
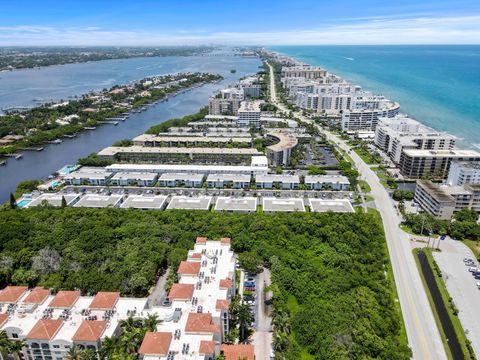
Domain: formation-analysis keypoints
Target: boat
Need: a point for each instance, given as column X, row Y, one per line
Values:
column 3, row 162
column 56, row 141
column 90, row 127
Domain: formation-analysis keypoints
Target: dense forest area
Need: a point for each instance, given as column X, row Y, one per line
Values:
column 332, row 298
column 19, row 58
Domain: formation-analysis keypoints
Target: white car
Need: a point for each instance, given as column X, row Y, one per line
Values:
column 473, row 269
column 478, row 284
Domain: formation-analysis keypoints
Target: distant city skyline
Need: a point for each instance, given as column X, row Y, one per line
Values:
column 189, row 22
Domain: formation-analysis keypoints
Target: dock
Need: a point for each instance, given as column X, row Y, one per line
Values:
column 32, row 148
column 68, row 136
column 16, row 156
column 114, row 123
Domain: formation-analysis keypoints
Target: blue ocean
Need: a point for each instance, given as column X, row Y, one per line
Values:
column 438, row 85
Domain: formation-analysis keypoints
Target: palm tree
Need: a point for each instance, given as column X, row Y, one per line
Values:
column 4, row 344
column 245, row 319
column 16, row 347
column 109, row 344
column 130, row 323
column 88, row 354
column 151, row 322
column 73, row 353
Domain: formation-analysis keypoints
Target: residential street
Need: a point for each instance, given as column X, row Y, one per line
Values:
column 461, row 286
column 422, row 331
column 262, row 338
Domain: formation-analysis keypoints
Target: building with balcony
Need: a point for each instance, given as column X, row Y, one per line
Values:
column 279, row 153
column 462, row 173
column 327, row 182
column 277, row 181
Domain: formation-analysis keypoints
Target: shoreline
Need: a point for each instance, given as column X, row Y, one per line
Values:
column 462, row 139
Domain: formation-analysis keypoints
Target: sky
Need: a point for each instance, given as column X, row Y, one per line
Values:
column 271, row 22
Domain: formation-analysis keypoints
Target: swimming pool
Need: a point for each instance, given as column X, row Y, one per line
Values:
column 67, row 169
column 24, row 202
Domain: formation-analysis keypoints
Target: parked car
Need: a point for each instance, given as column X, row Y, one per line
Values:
column 473, row 269
column 249, row 284
column 478, row 284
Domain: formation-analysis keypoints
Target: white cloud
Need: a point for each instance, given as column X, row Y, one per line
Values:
column 419, row 30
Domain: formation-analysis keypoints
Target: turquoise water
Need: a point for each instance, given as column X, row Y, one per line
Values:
column 23, row 203
column 438, row 85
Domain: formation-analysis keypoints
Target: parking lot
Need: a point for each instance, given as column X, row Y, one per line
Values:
column 462, row 286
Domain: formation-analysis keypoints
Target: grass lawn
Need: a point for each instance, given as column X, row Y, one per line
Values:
column 446, row 299
column 365, row 156
column 403, row 340
column 474, row 246
column 364, row 186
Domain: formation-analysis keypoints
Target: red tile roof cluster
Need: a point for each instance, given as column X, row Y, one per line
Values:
column 11, row 294
column 201, row 240
column 225, row 241
column 65, row 299
column 90, row 330
column 189, row 268
column 37, row 296
column 222, row 304
column 225, row 283
column 181, row 292
column 200, row 323
column 156, row 343
column 104, row 300
column 45, row 329
column 206, row 347
column 239, row 351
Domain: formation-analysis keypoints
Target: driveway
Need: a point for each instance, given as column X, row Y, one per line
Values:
column 462, row 287
column 262, row 338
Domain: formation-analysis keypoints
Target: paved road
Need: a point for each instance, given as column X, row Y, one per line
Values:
column 158, row 293
column 462, row 287
column 422, row 331
column 262, row 338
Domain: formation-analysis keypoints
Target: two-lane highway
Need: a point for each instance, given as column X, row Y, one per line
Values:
column 422, row 332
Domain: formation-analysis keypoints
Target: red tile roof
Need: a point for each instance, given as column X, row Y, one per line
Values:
column 206, row 347
column 11, row 294
column 189, row 268
column 65, row 299
column 104, row 300
column 37, row 296
column 196, row 256
column 225, row 241
column 3, row 319
column 226, row 284
column 236, row 352
column 200, row 323
column 222, row 304
column 90, row 330
column 201, row 240
column 45, row 329
column 156, row 343
column 181, row 292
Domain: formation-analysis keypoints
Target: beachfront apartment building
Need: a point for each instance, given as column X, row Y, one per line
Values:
column 203, row 155
column 279, row 153
column 249, row 113
column 367, row 119
column 394, row 135
column 226, row 102
column 462, row 173
column 303, row 71
column 194, row 319
column 443, row 201
column 327, row 182
column 280, row 181
column 417, row 163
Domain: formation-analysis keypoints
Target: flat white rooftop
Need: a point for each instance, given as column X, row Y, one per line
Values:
column 181, row 177
column 144, row 202
column 236, row 204
column 190, row 203
column 99, row 201
column 319, row 205
column 130, row 175
column 53, row 199
column 202, row 169
column 271, row 204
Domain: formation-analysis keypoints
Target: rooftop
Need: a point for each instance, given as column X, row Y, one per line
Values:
column 286, row 140
column 131, row 175
column 90, row 330
column 285, row 178
column 98, row 201
column 156, row 343
column 53, row 199
column 105, row 300
column 189, row 268
column 455, row 153
column 181, row 292
column 166, row 168
column 135, row 149
column 279, row 204
column 37, row 296
column 45, row 329
column 181, row 177
column 326, row 179
column 190, row 203
column 236, row 204
column 318, row 205
column 238, row 351
column 228, row 177
column 65, row 299
column 144, row 201
column 11, row 294
column 184, row 139
column 200, row 323
column 435, row 191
